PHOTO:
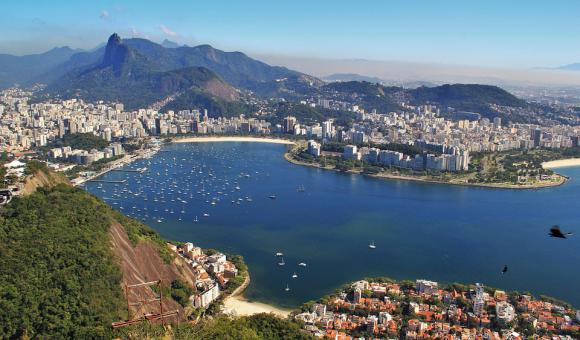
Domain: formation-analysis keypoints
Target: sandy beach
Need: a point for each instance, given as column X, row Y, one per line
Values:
column 239, row 306
column 562, row 163
column 232, row 139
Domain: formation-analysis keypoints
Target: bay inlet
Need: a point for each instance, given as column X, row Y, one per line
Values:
column 328, row 219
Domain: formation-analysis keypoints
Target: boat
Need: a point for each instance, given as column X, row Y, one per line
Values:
column 272, row 197
column 372, row 245
column 195, row 220
column 281, row 263
column 287, row 288
column 301, row 188
column 205, row 215
column 302, row 264
column 279, row 254
column 294, row 275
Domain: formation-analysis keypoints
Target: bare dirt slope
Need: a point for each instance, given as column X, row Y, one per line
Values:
column 41, row 179
column 142, row 263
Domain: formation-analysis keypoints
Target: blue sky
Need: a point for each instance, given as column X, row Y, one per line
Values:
column 508, row 33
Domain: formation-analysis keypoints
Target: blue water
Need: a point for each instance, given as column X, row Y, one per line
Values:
column 438, row 232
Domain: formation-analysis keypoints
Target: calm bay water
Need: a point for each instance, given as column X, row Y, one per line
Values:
column 437, row 232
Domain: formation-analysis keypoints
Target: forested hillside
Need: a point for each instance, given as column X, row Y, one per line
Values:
column 64, row 256
column 58, row 277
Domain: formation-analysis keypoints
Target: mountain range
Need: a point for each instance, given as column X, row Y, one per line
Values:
column 570, row 67
column 140, row 73
column 21, row 70
column 136, row 79
column 153, row 73
column 461, row 97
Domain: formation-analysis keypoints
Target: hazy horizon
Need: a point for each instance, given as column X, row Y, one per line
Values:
column 516, row 34
column 453, row 41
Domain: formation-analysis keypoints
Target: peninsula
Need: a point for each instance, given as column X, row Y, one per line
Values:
column 515, row 169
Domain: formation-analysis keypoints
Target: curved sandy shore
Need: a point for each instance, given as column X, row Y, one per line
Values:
column 562, row 163
column 232, row 139
column 239, row 306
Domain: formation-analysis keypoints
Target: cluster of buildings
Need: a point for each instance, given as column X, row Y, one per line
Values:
column 213, row 272
column 426, row 311
column 426, row 122
column 192, row 121
column 424, row 125
column 25, row 125
column 86, row 157
column 454, row 159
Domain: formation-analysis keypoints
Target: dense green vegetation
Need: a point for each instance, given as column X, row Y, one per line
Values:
column 68, row 285
column 256, row 327
column 34, row 166
column 2, row 175
column 181, row 292
column 82, row 141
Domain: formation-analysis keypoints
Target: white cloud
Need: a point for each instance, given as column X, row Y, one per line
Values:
column 104, row 15
column 167, row 31
column 135, row 33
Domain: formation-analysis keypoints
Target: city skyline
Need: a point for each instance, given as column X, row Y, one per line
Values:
column 513, row 35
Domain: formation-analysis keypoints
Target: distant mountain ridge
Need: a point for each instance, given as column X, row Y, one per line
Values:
column 469, row 97
column 461, row 97
column 169, row 44
column 235, row 68
column 126, row 75
column 22, row 69
column 335, row 77
column 570, row 67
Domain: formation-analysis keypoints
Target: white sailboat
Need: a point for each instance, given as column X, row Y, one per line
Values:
column 287, row 288
column 372, row 245
column 294, row 275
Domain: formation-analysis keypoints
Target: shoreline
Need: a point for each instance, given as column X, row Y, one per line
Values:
column 236, row 304
column 562, row 179
column 240, row 306
column 126, row 160
column 232, row 139
column 561, row 163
